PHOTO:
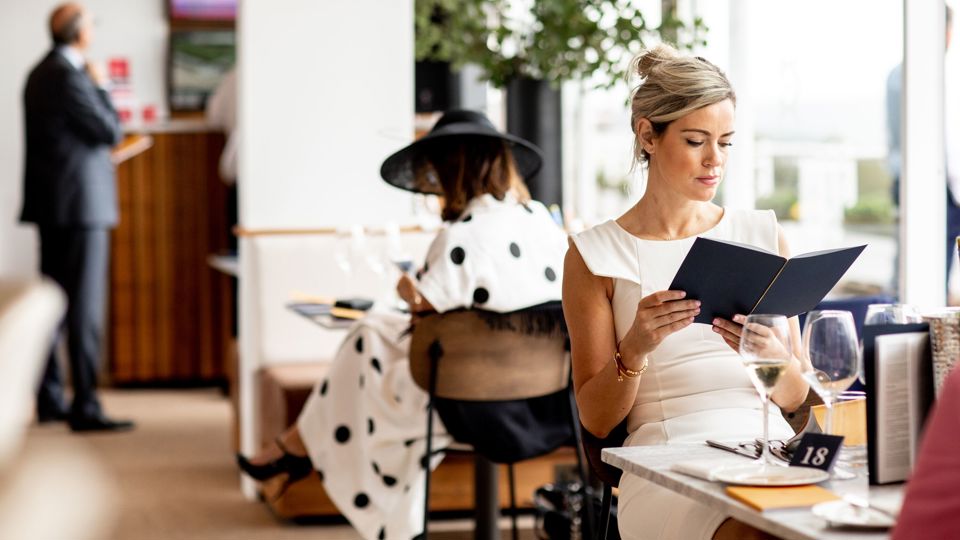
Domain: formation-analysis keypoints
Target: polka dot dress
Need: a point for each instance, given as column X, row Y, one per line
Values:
column 364, row 424
column 365, row 429
column 499, row 256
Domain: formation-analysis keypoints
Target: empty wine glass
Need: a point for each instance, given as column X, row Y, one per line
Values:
column 341, row 251
column 394, row 251
column 766, row 351
column 831, row 347
column 891, row 314
column 888, row 314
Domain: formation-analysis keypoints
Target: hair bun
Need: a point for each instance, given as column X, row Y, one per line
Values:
column 650, row 59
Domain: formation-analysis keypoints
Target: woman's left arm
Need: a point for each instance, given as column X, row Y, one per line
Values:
column 407, row 290
column 792, row 389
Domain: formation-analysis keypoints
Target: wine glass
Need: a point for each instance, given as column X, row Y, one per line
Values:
column 891, row 314
column 888, row 314
column 766, row 351
column 341, row 252
column 831, row 347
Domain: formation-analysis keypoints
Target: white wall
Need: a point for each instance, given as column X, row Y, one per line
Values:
column 135, row 29
column 326, row 93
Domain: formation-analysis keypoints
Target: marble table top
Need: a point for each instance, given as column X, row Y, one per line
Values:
column 653, row 463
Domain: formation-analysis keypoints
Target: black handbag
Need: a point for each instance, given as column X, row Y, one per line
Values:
column 561, row 512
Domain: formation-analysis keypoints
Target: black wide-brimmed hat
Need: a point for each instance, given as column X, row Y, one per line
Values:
column 398, row 168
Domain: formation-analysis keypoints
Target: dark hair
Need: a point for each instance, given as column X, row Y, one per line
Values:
column 467, row 167
column 69, row 31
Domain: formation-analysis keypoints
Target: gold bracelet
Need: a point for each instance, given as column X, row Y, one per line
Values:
column 624, row 371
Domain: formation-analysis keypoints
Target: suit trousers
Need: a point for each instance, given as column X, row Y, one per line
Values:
column 77, row 259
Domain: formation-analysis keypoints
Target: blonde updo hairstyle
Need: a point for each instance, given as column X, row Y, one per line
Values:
column 672, row 86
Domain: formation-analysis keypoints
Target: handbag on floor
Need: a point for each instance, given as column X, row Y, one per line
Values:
column 562, row 515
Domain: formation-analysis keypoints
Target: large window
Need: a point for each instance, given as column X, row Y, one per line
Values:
column 811, row 137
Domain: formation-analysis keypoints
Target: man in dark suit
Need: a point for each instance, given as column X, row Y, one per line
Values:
column 70, row 193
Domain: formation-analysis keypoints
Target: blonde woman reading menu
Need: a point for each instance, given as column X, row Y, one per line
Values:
column 637, row 355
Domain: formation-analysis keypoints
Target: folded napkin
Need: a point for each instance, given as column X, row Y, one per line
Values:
column 703, row 468
column 891, row 504
column 767, row 498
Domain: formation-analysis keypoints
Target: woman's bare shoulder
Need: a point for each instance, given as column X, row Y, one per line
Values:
column 578, row 277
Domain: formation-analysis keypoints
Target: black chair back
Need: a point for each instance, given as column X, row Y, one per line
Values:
column 593, row 445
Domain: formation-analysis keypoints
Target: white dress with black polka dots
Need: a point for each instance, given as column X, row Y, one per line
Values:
column 364, row 424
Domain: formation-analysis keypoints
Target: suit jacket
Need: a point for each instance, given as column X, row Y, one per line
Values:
column 70, row 128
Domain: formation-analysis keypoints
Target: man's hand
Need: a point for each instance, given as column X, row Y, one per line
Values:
column 95, row 72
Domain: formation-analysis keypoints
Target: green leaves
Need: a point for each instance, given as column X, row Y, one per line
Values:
column 552, row 40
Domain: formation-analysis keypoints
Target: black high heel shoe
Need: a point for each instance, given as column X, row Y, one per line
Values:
column 296, row 467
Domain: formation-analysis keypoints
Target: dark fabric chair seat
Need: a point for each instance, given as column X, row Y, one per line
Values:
column 512, row 430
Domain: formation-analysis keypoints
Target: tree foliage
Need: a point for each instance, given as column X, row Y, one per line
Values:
column 551, row 40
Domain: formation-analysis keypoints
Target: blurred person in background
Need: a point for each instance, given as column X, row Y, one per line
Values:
column 69, row 192
column 221, row 112
column 895, row 162
column 931, row 503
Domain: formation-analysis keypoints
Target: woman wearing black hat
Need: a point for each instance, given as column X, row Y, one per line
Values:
column 363, row 427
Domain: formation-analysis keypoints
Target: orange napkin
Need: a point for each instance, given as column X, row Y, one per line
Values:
column 767, row 498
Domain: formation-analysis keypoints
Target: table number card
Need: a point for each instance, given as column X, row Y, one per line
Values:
column 817, row 451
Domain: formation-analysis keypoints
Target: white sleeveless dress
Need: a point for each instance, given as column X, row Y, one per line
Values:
column 695, row 388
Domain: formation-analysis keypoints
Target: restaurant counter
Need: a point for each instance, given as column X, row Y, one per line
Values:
column 170, row 313
column 189, row 124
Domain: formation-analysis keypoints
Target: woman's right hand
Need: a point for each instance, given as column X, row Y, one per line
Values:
column 407, row 290
column 658, row 315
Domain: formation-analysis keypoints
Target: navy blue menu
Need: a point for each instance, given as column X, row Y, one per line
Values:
column 730, row 278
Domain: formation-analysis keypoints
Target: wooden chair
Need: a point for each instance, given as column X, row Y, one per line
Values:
column 608, row 475
column 473, row 362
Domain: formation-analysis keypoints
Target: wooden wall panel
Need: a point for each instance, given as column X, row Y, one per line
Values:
column 169, row 312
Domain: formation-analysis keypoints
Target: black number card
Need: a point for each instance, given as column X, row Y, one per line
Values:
column 817, row 451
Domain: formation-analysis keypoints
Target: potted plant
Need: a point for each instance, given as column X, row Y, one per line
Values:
column 530, row 48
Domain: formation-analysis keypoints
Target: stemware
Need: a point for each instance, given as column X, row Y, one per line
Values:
column 891, row 314
column 888, row 314
column 833, row 354
column 766, row 351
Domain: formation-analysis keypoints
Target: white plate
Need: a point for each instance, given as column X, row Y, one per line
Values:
column 747, row 475
column 842, row 513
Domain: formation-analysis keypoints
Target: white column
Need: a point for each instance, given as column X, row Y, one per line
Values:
column 575, row 198
column 325, row 94
column 739, row 186
column 922, row 187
